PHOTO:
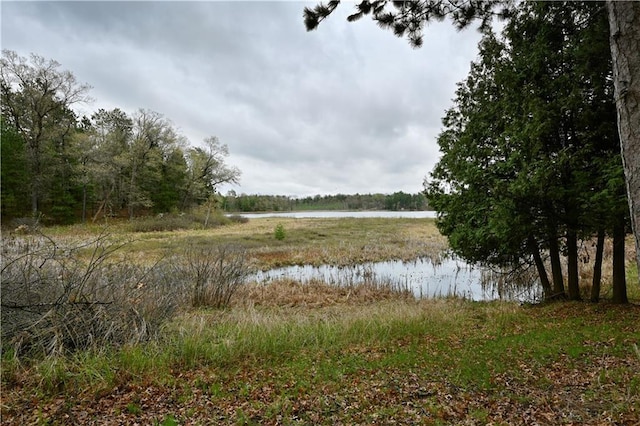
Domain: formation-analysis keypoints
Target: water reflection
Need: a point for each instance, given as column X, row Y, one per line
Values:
column 426, row 279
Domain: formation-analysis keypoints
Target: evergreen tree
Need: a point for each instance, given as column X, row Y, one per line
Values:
column 520, row 149
column 14, row 174
column 172, row 186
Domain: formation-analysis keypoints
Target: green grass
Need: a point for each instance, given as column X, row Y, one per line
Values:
column 356, row 364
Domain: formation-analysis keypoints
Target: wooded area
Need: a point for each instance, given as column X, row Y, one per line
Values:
column 61, row 168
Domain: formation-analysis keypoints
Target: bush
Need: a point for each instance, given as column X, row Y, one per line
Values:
column 160, row 223
column 57, row 299
column 60, row 298
column 213, row 274
column 195, row 219
column 236, row 218
column 25, row 225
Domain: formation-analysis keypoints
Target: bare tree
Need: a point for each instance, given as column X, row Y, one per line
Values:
column 207, row 170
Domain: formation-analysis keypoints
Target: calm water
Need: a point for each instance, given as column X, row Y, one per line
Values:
column 424, row 278
column 338, row 214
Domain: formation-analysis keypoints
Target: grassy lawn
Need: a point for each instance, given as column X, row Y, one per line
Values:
column 315, row 354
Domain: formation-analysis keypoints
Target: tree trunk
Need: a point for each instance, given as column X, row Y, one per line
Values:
column 556, row 267
column 102, row 206
column 619, row 279
column 34, row 203
column 573, row 285
column 624, row 23
column 132, row 191
column 35, row 183
column 597, row 268
column 542, row 271
column 84, row 203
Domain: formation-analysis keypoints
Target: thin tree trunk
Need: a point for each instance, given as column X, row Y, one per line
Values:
column 102, row 206
column 95, row 216
column 556, row 268
column 624, row 23
column 542, row 271
column 84, row 202
column 34, row 203
column 132, row 191
column 619, row 279
column 573, row 285
column 597, row 268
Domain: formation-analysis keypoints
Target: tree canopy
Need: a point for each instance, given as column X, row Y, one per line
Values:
column 68, row 168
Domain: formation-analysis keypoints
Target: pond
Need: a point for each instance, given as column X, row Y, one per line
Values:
column 426, row 279
column 340, row 214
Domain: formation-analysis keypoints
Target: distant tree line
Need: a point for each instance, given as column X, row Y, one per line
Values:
column 262, row 203
column 61, row 168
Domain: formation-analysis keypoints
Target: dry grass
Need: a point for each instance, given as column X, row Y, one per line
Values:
column 316, row 294
column 311, row 241
column 585, row 269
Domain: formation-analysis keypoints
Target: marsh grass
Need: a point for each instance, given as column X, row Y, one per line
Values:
column 254, row 331
column 316, row 293
column 310, row 241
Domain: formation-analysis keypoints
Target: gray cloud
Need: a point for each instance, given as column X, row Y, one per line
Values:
column 347, row 108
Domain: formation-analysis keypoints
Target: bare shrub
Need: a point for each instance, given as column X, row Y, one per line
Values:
column 59, row 298
column 213, row 274
column 198, row 218
column 236, row 218
column 25, row 225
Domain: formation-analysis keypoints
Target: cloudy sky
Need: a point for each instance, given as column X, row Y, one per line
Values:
column 348, row 108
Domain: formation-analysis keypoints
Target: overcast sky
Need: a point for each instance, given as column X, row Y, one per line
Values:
column 348, row 108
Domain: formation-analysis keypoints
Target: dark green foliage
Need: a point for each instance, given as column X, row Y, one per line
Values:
column 279, row 233
column 530, row 151
column 36, row 102
column 14, row 178
column 408, row 18
column 171, row 188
